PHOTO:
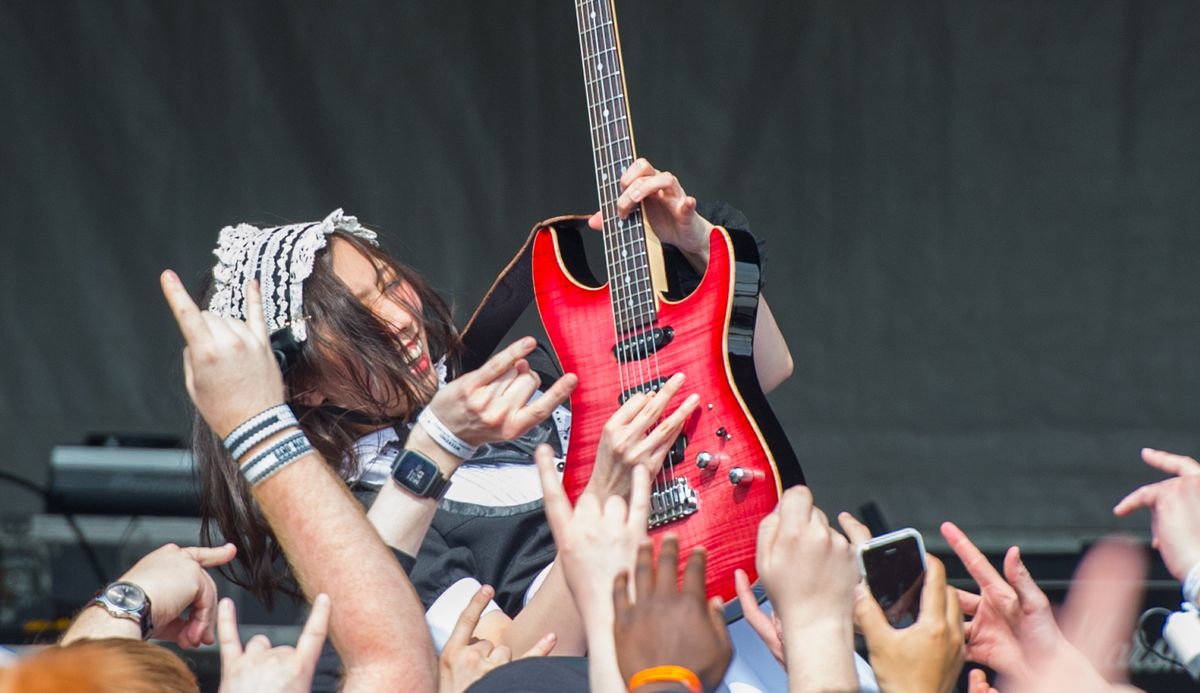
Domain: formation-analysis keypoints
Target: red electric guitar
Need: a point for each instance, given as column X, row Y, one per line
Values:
column 730, row 465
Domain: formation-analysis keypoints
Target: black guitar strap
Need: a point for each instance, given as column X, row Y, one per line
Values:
column 508, row 297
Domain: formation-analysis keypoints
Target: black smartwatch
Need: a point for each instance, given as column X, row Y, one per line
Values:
column 419, row 475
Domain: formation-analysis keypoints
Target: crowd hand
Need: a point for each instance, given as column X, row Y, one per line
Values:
column 465, row 659
column 491, row 403
column 1097, row 620
column 797, row 533
column 1011, row 615
column 670, row 210
column 598, row 538
column 176, row 580
column 927, row 655
column 977, row 682
column 634, row 435
column 260, row 668
column 1174, row 505
column 228, row 366
column 664, row 625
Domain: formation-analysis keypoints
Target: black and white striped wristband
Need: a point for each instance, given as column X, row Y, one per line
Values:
column 279, row 455
column 257, row 429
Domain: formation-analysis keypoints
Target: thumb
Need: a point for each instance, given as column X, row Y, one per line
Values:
column 869, row 616
column 211, row 556
column 596, row 221
column 542, row 647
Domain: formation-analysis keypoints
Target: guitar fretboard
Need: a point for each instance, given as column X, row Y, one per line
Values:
column 613, row 151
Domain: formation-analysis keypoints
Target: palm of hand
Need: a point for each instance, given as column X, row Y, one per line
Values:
column 992, row 634
column 682, row 228
column 1005, row 632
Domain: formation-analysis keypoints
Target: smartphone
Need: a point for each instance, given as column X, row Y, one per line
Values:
column 894, row 567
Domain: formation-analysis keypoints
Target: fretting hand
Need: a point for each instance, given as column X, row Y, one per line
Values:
column 669, row 209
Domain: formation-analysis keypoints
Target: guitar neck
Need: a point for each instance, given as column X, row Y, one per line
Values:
column 625, row 245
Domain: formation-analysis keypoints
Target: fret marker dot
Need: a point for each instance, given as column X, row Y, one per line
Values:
column 593, row 14
column 606, row 113
column 604, row 176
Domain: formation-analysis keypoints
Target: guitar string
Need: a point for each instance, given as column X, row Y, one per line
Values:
column 632, row 241
column 637, row 237
column 608, row 176
column 583, row 11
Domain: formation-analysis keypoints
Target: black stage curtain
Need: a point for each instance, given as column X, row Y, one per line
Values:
column 982, row 216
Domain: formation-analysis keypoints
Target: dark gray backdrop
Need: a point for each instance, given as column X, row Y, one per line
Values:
column 981, row 215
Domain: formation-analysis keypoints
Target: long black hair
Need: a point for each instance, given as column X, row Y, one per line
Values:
column 350, row 355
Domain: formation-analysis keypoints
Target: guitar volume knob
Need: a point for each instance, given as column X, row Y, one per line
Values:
column 740, row 476
column 710, row 461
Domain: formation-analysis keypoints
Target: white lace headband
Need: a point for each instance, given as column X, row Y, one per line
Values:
column 280, row 258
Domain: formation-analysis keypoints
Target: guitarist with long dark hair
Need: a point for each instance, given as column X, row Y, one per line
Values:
column 364, row 341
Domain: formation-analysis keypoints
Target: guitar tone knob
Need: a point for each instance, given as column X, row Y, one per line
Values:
column 739, row 476
column 709, row 460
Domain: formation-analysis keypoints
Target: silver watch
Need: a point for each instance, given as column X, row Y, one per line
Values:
column 127, row 600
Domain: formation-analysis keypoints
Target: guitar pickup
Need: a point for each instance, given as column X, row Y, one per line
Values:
column 677, row 451
column 650, row 386
column 643, row 344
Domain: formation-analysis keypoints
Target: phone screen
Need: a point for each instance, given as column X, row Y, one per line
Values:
column 895, row 573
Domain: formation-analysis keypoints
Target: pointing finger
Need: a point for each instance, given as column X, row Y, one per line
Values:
column 316, row 629
column 187, row 314
column 554, row 499
column 469, row 619
column 254, row 312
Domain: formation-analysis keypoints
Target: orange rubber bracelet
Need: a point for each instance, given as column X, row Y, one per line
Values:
column 666, row 672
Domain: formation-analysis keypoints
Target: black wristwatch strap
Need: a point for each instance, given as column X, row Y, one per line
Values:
column 419, row 475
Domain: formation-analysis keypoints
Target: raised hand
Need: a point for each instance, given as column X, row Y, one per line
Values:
column 670, row 211
column 228, row 366
column 669, row 626
column 1174, row 505
column 809, row 572
column 768, row 627
column 260, row 668
column 465, row 660
column 492, row 403
column 634, row 435
column 599, row 538
column 1007, row 616
column 926, row 656
column 1097, row 620
column 176, row 580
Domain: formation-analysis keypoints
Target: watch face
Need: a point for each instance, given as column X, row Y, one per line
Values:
column 415, row 473
column 125, row 596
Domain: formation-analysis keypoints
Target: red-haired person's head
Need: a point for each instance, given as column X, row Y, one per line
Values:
column 109, row 665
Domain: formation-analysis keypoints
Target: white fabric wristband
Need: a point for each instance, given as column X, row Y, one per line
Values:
column 1191, row 586
column 443, row 436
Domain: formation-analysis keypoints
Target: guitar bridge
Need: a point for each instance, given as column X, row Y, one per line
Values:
column 674, row 502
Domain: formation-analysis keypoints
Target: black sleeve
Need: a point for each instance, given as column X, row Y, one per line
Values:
column 682, row 279
column 438, row 566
